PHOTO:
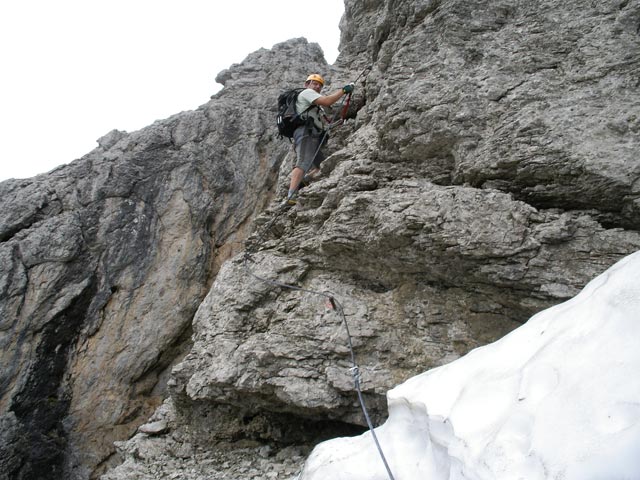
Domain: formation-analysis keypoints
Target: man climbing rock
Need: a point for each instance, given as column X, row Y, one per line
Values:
column 309, row 138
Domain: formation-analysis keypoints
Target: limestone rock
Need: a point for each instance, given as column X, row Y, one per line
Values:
column 487, row 170
column 105, row 261
column 154, row 428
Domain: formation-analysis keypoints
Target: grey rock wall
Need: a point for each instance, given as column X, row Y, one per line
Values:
column 106, row 260
column 487, row 171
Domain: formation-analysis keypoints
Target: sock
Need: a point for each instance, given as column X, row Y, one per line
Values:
column 292, row 193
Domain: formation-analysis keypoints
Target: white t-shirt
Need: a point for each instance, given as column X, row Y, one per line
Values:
column 305, row 100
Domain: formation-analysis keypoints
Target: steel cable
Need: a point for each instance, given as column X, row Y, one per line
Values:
column 337, row 307
column 335, row 304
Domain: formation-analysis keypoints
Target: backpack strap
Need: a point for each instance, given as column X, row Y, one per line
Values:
column 308, row 121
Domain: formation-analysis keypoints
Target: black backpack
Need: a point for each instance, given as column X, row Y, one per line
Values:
column 288, row 119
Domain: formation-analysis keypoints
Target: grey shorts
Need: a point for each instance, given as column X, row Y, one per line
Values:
column 307, row 147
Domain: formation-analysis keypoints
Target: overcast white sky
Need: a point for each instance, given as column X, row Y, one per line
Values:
column 72, row 70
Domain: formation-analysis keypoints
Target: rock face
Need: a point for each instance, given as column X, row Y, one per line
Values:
column 488, row 170
column 106, row 260
column 555, row 398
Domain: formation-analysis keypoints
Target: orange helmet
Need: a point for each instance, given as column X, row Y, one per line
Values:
column 316, row 77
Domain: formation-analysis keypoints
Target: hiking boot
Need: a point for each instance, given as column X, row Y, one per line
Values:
column 290, row 201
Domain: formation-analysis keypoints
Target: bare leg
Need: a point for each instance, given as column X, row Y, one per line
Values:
column 296, row 177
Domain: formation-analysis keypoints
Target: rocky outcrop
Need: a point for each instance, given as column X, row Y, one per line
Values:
column 106, row 260
column 486, row 172
column 556, row 398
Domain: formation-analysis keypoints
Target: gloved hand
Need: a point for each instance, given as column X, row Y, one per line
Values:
column 348, row 88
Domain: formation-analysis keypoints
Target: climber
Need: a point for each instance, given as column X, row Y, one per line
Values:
column 309, row 138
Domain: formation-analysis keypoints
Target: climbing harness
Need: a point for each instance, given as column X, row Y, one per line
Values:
column 332, row 302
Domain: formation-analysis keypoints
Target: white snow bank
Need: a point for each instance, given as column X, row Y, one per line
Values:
column 558, row 398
